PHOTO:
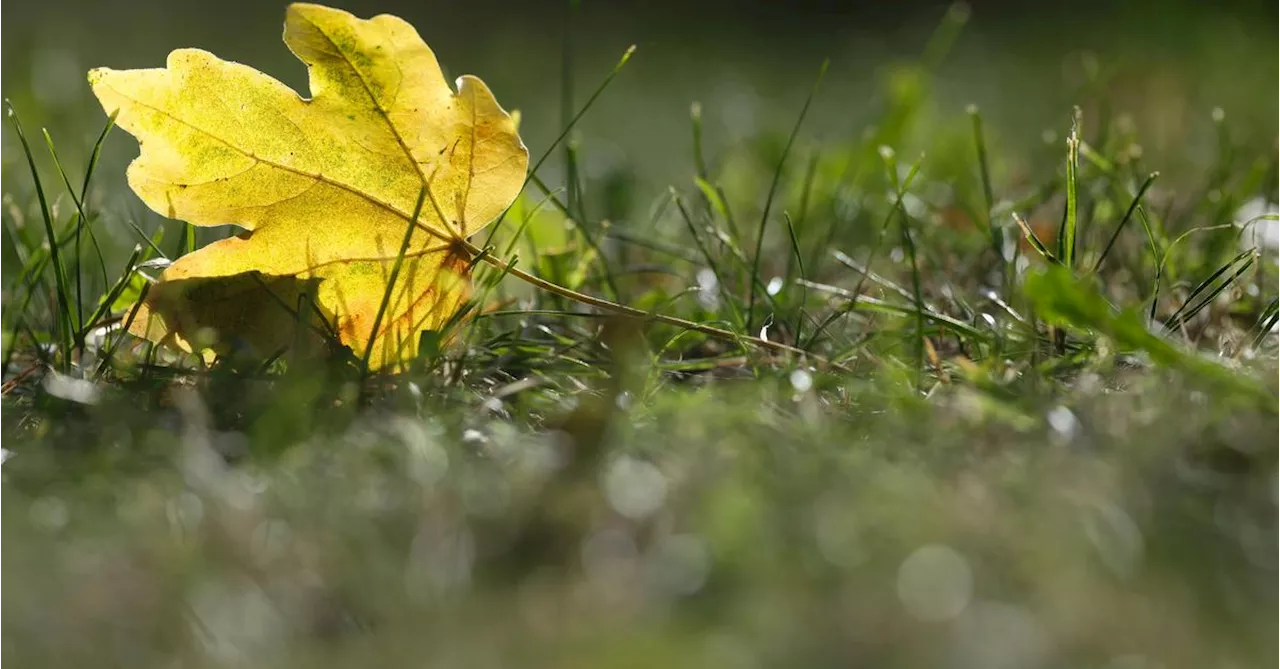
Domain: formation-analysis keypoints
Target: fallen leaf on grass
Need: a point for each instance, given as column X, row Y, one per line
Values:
column 325, row 188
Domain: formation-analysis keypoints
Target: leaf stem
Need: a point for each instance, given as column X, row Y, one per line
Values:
column 632, row 312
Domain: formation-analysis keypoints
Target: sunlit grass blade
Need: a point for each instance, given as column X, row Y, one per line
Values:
column 566, row 103
column 105, row 306
column 124, row 332
column 1168, row 254
column 1157, row 258
column 908, row 243
column 856, row 302
column 801, row 221
column 1266, row 322
column 391, row 281
column 564, row 132
column 944, row 37
column 592, row 240
column 1067, row 300
column 642, row 315
column 984, row 173
column 1207, row 290
column 721, row 286
column 773, row 191
column 1128, row 214
column 27, row 284
column 66, row 329
column 80, row 223
column 874, row 277
column 699, row 162
column 152, row 241
column 798, row 326
column 1032, row 239
column 872, row 252
column 1070, row 222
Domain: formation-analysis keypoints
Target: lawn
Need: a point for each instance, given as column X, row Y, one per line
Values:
column 920, row 346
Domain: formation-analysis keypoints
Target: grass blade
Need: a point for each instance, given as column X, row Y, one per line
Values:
column 857, row 302
column 1266, row 321
column 640, row 314
column 1034, row 240
column 66, row 329
column 626, row 56
column 81, row 223
column 773, row 191
column 1067, row 232
column 984, row 172
column 799, row 260
column 904, row 228
column 711, row 262
column 699, row 163
column 1210, row 291
column 391, row 280
column 1133, row 206
column 114, row 293
column 871, row 253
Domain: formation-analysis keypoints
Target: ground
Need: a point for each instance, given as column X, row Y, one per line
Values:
column 987, row 449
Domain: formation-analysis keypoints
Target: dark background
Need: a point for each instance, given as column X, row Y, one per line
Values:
column 749, row 64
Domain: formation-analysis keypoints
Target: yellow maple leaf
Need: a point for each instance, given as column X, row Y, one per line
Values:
column 326, row 188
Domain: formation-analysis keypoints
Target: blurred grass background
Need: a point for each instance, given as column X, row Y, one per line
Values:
column 1052, row 487
column 750, row 64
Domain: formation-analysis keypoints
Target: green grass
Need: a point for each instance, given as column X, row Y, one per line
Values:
column 918, row 395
